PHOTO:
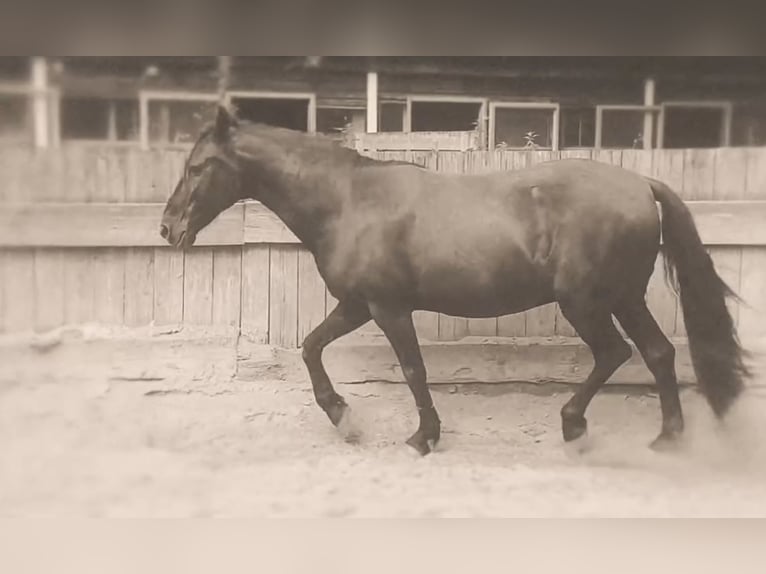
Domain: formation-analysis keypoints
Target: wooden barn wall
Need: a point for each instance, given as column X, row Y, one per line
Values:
column 249, row 275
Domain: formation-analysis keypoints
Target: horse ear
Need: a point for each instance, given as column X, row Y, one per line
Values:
column 224, row 121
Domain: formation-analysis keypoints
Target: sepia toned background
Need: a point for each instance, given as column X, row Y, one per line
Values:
column 92, row 147
column 139, row 380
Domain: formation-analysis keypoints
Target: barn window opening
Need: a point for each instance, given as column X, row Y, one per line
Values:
column 749, row 125
column 292, row 112
column 444, row 116
column 15, row 117
column 336, row 121
column 178, row 122
column 696, row 125
column 83, row 118
column 174, row 117
column 524, row 125
column 391, row 116
column 627, row 127
column 578, row 127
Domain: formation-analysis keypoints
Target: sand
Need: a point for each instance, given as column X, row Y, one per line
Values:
column 83, row 441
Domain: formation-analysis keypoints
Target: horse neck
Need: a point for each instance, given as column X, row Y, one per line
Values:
column 292, row 184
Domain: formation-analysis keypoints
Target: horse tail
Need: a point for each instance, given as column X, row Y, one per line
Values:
column 716, row 353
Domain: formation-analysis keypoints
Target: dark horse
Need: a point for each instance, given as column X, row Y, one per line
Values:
column 390, row 238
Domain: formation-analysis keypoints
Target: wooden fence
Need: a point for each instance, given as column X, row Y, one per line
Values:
column 79, row 244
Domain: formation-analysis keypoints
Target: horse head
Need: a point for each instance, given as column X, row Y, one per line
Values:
column 209, row 184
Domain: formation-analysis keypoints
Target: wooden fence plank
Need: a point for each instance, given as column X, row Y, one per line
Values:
column 608, row 156
column 283, row 297
column 574, row 154
column 413, row 141
column 563, row 327
column 103, row 225
column 137, row 225
column 512, row 325
column 48, row 293
column 198, row 286
column 638, row 161
column 731, row 175
column 227, row 286
column 426, row 325
column 755, row 187
column 79, row 286
column 263, row 226
column 699, row 174
column 668, row 167
column 311, row 295
column 109, row 263
column 109, row 296
column 168, row 286
column 256, row 278
column 752, row 318
column 18, row 290
column 139, row 286
column 330, row 302
column 541, row 322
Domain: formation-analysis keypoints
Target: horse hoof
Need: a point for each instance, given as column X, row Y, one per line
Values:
column 666, row 442
column 574, row 428
column 348, row 427
column 420, row 444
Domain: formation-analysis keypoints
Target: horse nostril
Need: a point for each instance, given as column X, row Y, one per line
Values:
column 164, row 231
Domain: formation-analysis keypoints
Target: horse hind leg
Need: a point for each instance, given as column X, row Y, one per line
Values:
column 398, row 328
column 659, row 355
column 594, row 325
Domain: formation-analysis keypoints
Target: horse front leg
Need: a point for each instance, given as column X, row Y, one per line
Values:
column 398, row 328
column 346, row 317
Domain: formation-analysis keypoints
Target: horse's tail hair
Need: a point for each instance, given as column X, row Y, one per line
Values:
column 716, row 353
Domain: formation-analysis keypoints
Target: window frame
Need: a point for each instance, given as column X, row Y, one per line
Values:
column 445, row 99
column 554, row 107
column 358, row 108
column 311, row 115
column 601, row 108
column 112, row 117
column 146, row 96
column 726, row 106
column 50, row 96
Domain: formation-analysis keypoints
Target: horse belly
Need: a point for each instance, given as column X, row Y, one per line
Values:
column 513, row 284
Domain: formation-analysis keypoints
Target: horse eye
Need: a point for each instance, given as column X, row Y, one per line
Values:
column 195, row 170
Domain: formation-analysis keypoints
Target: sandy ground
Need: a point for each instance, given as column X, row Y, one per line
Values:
column 90, row 444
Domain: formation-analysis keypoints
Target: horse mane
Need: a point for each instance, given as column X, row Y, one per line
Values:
column 305, row 142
